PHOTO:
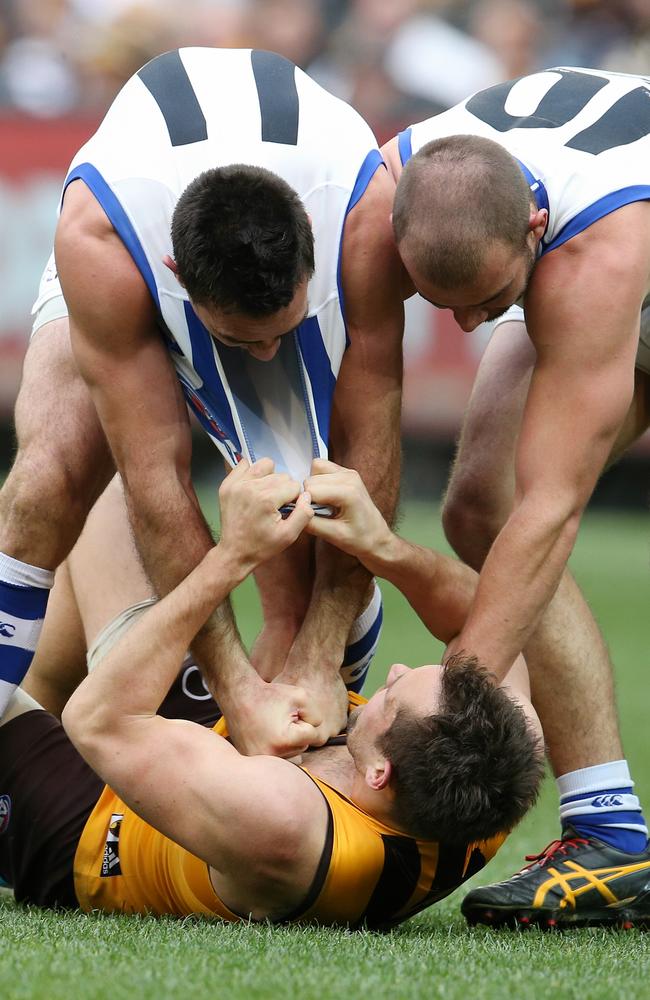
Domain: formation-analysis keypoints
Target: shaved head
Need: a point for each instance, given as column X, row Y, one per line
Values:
column 456, row 197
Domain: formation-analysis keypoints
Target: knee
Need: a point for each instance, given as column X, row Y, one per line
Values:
column 43, row 505
column 471, row 519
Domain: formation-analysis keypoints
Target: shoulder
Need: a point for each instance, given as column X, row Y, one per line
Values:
column 95, row 267
column 613, row 248
column 281, row 816
column 277, row 839
column 392, row 159
column 371, row 269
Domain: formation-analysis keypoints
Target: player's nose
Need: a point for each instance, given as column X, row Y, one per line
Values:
column 396, row 671
column 469, row 319
column 264, row 350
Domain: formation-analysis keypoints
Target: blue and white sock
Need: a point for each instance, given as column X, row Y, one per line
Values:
column 362, row 643
column 24, row 591
column 599, row 802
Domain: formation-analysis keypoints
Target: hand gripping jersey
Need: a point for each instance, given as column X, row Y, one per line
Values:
column 368, row 874
column 581, row 136
column 188, row 111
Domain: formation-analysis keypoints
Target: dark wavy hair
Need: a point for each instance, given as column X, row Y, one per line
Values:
column 242, row 240
column 470, row 771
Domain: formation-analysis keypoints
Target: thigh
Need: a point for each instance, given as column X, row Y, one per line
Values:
column 59, row 663
column 47, row 792
column 637, row 419
column 62, row 462
column 483, row 470
column 105, row 568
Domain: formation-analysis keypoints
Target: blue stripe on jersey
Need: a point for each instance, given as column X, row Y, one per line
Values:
column 212, row 389
column 118, row 218
column 536, row 187
column 319, row 370
column 566, row 799
column 604, row 206
column 28, row 603
column 358, row 649
column 14, row 663
column 356, row 684
column 367, row 171
column 404, row 145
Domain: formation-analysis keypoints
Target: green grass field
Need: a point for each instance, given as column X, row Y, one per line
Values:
column 46, row 955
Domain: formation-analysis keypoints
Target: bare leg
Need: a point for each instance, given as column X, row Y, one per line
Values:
column 580, row 726
column 59, row 664
column 105, row 569
column 63, row 462
column 101, row 577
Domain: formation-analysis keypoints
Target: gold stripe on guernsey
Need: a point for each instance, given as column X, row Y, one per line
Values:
column 123, row 864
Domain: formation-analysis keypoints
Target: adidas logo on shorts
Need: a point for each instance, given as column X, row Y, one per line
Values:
column 111, row 859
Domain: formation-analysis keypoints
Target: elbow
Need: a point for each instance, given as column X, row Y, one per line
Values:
column 85, row 724
column 71, row 718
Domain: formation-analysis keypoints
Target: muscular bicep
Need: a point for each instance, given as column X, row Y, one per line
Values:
column 366, row 409
column 117, row 346
column 194, row 787
column 582, row 314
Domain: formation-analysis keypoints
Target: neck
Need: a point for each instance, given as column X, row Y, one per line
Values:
column 335, row 766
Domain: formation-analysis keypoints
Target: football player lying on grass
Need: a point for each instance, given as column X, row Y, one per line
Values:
column 125, row 809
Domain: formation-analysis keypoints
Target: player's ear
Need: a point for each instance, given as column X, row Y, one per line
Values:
column 173, row 267
column 537, row 221
column 378, row 774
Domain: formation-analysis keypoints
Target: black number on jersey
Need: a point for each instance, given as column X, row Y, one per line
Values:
column 275, row 79
column 625, row 121
column 166, row 79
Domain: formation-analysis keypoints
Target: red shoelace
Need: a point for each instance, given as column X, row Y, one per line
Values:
column 554, row 848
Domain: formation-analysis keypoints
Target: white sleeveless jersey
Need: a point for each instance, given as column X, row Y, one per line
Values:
column 582, row 138
column 188, row 111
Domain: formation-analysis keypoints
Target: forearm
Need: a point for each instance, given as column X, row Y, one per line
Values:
column 340, row 592
column 518, row 580
column 173, row 537
column 368, row 441
column 439, row 589
column 285, row 584
column 132, row 680
column 170, row 531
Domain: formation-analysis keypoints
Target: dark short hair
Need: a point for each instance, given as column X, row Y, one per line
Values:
column 469, row 771
column 242, row 240
column 455, row 197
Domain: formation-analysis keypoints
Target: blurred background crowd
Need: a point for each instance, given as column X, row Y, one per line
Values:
column 396, row 61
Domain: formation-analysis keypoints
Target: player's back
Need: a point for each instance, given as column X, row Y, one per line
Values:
column 194, row 109
column 582, row 137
